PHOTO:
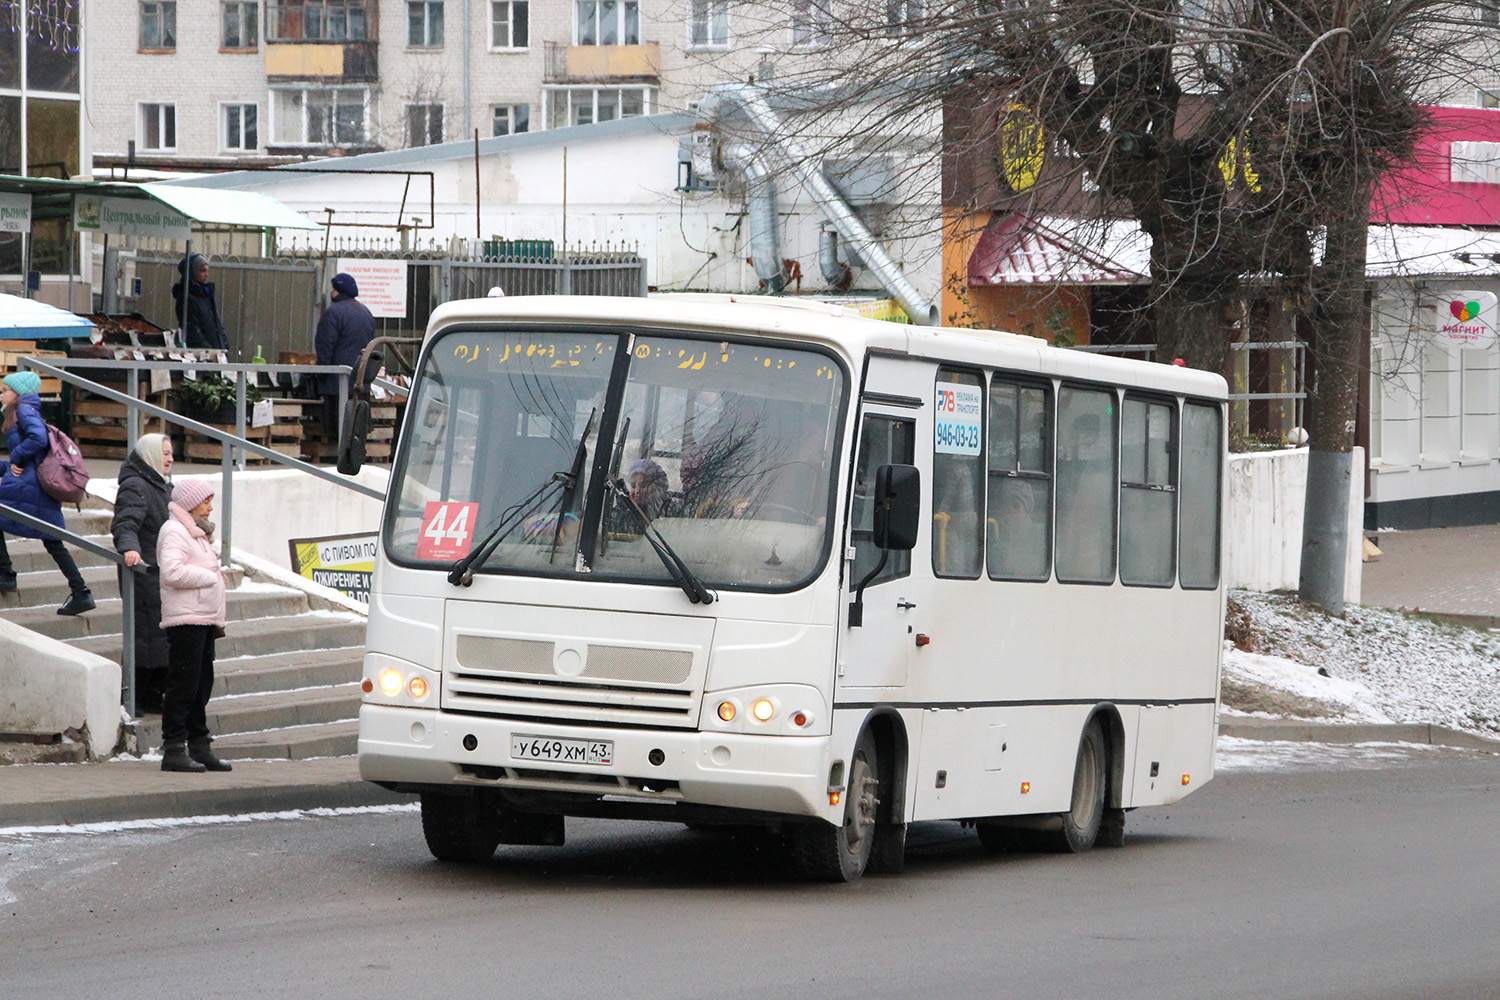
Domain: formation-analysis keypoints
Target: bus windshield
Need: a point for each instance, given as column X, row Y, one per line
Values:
column 724, row 448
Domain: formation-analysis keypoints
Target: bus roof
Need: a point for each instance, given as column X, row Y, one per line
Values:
column 826, row 323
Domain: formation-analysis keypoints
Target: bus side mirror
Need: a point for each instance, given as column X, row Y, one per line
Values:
column 898, row 507
column 352, row 434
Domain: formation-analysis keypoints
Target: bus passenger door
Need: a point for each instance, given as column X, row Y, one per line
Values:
column 876, row 653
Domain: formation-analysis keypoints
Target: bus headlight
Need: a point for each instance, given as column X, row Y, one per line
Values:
column 389, row 680
column 766, row 710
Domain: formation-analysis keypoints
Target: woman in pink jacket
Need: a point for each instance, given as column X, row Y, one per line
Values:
column 192, row 614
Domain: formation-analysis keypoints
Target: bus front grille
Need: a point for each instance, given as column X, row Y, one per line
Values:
column 569, row 701
column 618, row 675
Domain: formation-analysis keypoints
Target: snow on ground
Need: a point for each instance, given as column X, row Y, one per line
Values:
column 1372, row 665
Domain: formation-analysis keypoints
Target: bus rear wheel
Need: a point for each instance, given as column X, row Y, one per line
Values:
column 1080, row 824
column 828, row 853
column 461, row 828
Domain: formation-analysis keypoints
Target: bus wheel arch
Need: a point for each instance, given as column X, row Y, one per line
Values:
column 1084, row 818
column 893, row 750
column 1112, row 828
column 872, row 835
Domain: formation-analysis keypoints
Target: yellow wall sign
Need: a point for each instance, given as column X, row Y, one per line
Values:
column 1023, row 148
column 343, row 562
column 1235, row 165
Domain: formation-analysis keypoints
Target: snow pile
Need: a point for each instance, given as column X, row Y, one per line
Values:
column 1372, row 665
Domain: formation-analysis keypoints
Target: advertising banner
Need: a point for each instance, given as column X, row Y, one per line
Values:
column 15, row 213
column 382, row 284
column 128, row 217
column 343, row 562
column 1467, row 319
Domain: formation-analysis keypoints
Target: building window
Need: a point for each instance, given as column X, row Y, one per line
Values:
column 609, row 22
column 510, row 24
column 158, row 131
column 424, row 124
column 511, row 119
column 709, row 28
column 317, row 21
column 424, row 24
column 331, row 116
column 241, row 24
column 159, row 24
column 241, row 127
column 812, row 23
column 588, row 105
column 902, row 16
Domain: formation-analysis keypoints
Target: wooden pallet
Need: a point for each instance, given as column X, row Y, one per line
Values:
column 196, row 447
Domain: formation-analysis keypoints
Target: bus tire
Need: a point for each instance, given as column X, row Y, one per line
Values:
column 824, row 852
column 459, row 828
column 1080, row 824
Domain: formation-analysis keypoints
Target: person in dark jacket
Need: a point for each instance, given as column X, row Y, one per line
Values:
column 201, row 326
column 26, row 434
column 344, row 332
column 144, row 490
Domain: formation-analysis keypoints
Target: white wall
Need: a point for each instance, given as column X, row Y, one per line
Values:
column 49, row 687
column 1263, row 522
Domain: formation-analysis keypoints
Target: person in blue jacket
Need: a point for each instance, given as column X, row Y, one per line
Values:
column 26, row 434
column 346, row 328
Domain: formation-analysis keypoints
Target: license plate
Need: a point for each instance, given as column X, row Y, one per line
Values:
column 557, row 751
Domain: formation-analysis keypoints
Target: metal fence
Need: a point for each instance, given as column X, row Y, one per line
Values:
column 274, row 304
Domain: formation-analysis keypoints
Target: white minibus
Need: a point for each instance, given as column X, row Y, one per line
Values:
column 728, row 560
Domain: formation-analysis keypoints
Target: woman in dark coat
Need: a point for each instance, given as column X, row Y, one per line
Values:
column 201, row 325
column 26, row 434
column 145, row 489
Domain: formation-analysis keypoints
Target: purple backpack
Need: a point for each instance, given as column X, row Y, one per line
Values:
column 61, row 472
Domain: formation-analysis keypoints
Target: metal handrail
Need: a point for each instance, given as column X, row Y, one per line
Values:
column 127, row 593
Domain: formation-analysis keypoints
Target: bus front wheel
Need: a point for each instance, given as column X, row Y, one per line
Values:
column 460, row 828
column 1080, row 824
column 841, row 853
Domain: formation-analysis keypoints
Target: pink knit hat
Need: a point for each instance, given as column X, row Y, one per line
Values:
column 191, row 492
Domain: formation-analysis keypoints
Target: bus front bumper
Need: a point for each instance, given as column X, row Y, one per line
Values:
column 412, row 747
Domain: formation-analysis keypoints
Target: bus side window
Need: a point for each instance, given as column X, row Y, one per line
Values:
column 1202, row 453
column 1020, row 460
column 882, row 441
column 1148, row 492
column 1087, row 449
column 958, row 477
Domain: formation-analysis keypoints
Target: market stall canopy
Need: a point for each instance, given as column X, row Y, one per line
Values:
column 52, row 199
column 27, row 319
column 229, row 208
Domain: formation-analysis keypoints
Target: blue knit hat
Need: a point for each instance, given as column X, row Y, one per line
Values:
column 345, row 285
column 24, row 383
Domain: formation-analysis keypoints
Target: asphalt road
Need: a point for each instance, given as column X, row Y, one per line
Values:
column 1352, row 873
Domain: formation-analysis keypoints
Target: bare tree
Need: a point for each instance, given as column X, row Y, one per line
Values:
column 1246, row 137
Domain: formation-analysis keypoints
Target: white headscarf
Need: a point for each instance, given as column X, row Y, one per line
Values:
column 149, row 447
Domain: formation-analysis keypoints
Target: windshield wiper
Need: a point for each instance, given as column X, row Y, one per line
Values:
column 461, row 573
column 570, row 487
column 676, row 568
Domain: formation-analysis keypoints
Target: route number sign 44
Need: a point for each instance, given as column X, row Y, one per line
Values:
column 447, row 530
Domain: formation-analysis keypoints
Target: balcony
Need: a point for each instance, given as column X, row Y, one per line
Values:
column 333, row 41
column 602, row 63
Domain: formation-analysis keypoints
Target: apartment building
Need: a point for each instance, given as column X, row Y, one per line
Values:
column 208, row 80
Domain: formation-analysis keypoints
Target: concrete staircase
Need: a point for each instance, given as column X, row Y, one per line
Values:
column 286, row 675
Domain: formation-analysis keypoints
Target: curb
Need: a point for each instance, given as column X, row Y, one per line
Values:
column 121, row 791
column 1293, row 730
